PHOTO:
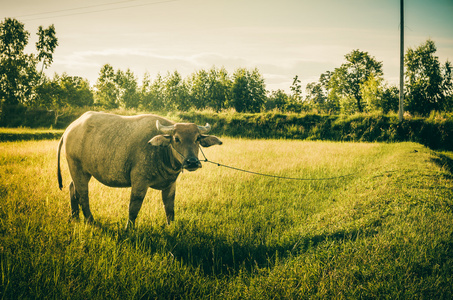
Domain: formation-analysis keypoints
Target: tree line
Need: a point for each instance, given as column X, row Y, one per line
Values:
column 215, row 88
column 356, row 86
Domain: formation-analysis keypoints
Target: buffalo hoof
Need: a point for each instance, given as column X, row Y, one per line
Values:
column 89, row 220
column 130, row 225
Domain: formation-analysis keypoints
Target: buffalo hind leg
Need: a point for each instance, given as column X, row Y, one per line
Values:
column 168, row 197
column 74, row 201
column 78, row 190
column 81, row 194
column 85, row 203
column 137, row 196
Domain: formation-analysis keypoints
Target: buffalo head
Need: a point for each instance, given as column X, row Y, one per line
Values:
column 185, row 139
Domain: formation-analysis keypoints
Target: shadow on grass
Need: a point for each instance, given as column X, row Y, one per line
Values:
column 446, row 162
column 218, row 255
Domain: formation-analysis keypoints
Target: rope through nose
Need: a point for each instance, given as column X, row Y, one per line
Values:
column 183, row 157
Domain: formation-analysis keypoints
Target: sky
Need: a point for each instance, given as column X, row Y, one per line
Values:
column 282, row 38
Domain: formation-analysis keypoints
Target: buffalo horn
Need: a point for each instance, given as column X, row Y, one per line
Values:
column 204, row 129
column 165, row 129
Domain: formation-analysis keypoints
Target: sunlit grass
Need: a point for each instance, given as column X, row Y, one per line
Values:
column 22, row 130
column 383, row 231
column 23, row 133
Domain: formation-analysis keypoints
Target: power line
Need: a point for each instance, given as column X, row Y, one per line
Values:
column 70, row 9
column 88, row 12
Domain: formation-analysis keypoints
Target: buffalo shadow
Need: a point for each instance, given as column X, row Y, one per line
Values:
column 219, row 255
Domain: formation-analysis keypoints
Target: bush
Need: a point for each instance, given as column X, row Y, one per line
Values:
column 436, row 131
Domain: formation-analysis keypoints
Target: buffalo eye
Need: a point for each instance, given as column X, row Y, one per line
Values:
column 177, row 140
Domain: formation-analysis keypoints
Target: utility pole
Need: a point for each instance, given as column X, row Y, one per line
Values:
column 401, row 102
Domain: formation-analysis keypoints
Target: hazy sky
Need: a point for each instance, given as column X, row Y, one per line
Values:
column 282, row 38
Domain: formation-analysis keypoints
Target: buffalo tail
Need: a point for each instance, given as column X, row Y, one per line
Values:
column 60, row 180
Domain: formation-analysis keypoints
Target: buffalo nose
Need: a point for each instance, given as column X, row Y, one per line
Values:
column 192, row 163
column 192, row 160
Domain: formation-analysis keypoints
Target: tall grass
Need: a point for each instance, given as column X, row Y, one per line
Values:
column 383, row 232
column 24, row 134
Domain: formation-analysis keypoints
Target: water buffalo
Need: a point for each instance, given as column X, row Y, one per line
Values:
column 138, row 151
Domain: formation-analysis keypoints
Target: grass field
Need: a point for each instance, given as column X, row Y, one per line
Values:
column 24, row 134
column 384, row 232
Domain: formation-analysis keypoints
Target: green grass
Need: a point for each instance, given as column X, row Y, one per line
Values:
column 384, row 232
column 23, row 134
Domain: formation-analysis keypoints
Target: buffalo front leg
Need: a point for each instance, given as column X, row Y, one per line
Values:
column 137, row 196
column 168, row 197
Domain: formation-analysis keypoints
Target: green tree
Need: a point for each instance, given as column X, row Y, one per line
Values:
column 345, row 82
column 239, row 91
column 219, row 86
column 17, row 69
column 199, row 89
column 18, row 74
column 296, row 89
column 176, row 94
column 152, row 93
column 107, row 90
column 372, row 93
column 145, row 91
column 277, row 100
column 316, row 95
column 390, row 99
column 378, row 96
column 428, row 84
column 75, row 90
column 210, row 88
column 62, row 92
column 295, row 103
column 128, row 89
column 46, row 44
column 49, row 94
column 320, row 97
column 248, row 91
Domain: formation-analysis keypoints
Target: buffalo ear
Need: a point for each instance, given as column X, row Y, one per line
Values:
column 209, row 140
column 160, row 140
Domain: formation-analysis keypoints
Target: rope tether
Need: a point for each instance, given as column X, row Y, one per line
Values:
column 269, row 175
